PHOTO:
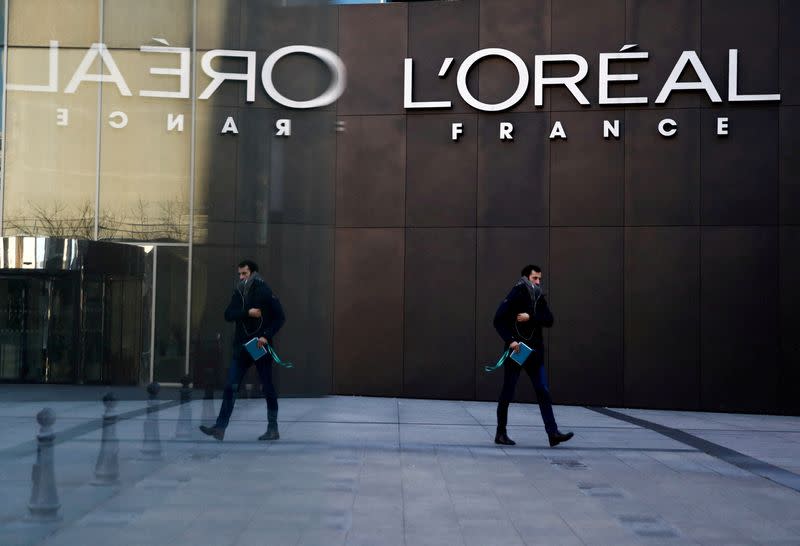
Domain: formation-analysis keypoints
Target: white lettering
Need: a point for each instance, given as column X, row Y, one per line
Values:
column 121, row 116
column 329, row 58
column 610, row 129
column 672, row 84
column 446, row 63
column 230, row 127
column 62, row 117
column 284, row 127
column 505, row 131
column 570, row 81
column 219, row 77
column 733, row 82
column 82, row 75
column 558, row 131
column 182, row 72
column 664, row 123
column 174, row 122
column 522, row 76
column 52, row 81
column 458, row 129
column 722, row 126
column 408, row 86
column 606, row 78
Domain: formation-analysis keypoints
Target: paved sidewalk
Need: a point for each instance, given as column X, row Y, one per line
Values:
column 384, row 472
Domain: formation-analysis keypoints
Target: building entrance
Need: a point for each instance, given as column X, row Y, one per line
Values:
column 71, row 312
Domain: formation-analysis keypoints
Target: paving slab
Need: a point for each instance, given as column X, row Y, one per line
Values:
column 360, row 471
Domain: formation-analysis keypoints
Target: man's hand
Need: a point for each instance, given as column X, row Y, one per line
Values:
column 254, row 312
column 514, row 346
column 523, row 317
column 262, row 341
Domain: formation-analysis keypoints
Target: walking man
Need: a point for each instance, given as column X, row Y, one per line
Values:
column 520, row 318
column 257, row 313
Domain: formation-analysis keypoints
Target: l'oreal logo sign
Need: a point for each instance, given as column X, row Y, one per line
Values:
column 118, row 119
column 667, row 127
column 672, row 83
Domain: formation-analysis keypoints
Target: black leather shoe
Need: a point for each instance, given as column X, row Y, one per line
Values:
column 559, row 437
column 217, row 433
column 271, row 434
column 503, row 439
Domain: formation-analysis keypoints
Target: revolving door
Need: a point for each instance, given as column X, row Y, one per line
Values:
column 71, row 311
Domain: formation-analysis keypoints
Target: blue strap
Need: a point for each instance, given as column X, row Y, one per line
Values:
column 277, row 359
column 499, row 362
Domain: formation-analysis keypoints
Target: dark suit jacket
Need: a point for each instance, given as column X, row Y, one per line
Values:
column 258, row 296
column 518, row 301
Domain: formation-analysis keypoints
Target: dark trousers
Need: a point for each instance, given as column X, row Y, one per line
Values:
column 534, row 367
column 239, row 365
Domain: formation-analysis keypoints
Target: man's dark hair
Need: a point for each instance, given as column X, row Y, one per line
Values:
column 526, row 271
column 253, row 266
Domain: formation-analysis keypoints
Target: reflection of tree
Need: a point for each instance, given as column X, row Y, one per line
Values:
column 162, row 221
column 165, row 221
column 53, row 220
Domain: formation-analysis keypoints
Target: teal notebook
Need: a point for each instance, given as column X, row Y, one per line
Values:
column 255, row 351
column 520, row 356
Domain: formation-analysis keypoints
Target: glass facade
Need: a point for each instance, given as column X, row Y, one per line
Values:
column 87, row 160
column 106, row 138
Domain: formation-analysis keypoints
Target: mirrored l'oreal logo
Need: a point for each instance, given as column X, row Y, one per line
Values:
column 183, row 72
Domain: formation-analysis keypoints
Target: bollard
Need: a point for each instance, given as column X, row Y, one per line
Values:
column 106, row 471
column 44, row 504
column 184, row 427
column 151, row 446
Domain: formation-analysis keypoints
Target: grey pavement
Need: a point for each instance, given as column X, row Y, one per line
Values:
column 384, row 471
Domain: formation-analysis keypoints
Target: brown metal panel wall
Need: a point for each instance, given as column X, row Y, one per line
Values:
column 701, row 227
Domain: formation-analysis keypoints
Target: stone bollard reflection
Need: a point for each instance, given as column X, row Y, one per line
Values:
column 184, row 427
column 151, row 446
column 106, row 471
column 44, row 504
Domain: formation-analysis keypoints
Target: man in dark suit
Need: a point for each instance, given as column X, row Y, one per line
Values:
column 257, row 313
column 520, row 318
